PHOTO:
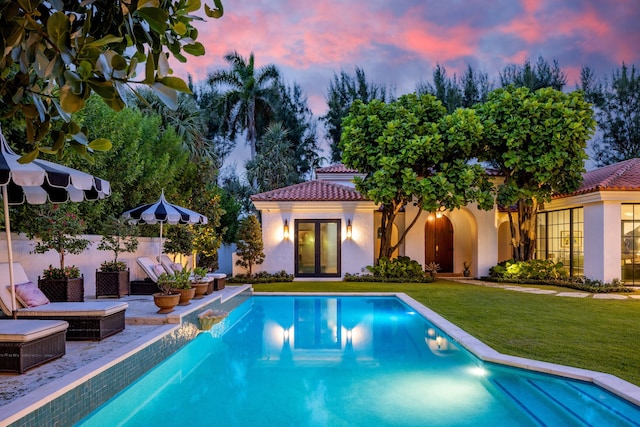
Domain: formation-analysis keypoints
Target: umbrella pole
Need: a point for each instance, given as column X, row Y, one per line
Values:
column 160, row 250
column 5, row 200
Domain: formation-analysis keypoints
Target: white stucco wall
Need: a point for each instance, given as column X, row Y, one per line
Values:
column 87, row 262
column 602, row 250
column 356, row 253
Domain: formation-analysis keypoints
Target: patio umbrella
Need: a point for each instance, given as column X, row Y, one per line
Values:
column 39, row 182
column 162, row 212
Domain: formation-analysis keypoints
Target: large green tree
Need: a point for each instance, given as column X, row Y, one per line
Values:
column 617, row 105
column 249, row 94
column 455, row 92
column 343, row 90
column 411, row 151
column 56, row 53
column 537, row 141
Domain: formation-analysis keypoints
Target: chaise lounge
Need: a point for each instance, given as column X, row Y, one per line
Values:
column 87, row 320
column 149, row 285
column 25, row 344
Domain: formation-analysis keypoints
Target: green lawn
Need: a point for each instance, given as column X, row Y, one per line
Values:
column 600, row 335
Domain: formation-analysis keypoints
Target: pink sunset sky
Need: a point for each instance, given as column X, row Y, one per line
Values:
column 398, row 43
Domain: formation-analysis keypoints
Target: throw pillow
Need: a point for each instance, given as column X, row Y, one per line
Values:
column 159, row 269
column 29, row 295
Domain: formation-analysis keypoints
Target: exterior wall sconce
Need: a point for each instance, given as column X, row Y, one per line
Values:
column 440, row 211
column 349, row 229
column 285, row 230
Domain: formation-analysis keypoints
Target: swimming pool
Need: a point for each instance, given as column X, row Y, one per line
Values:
column 347, row 361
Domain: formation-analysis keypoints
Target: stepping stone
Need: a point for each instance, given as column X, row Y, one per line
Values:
column 573, row 294
column 531, row 290
column 609, row 296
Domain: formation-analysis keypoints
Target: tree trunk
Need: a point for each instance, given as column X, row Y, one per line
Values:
column 523, row 238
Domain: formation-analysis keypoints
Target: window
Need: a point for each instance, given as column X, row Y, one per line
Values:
column 317, row 248
column 560, row 238
column 630, row 241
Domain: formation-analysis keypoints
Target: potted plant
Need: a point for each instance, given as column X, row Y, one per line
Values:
column 198, row 282
column 467, row 266
column 167, row 299
column 113, row 277
column 432, row 268
column 182, row 284
column 58, row 228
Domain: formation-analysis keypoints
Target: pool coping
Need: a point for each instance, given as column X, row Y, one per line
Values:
column 609, row 382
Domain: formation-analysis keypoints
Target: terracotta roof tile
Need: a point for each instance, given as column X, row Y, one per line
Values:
column 316, row 190
column 337, row 168
column 622, row 176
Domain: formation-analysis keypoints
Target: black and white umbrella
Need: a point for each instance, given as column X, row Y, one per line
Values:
column 163, row 212
column 40, row 182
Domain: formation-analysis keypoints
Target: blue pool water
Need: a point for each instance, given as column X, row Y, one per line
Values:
column 347, row 361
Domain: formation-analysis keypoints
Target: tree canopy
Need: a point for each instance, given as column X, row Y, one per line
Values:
column 411, row 151
column 537, row 142
column 56, row 53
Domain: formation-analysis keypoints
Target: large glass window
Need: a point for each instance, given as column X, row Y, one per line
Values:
column 317, row 248
column 630, row 240
column 560, row 238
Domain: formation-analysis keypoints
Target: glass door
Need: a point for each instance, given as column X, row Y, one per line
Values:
column 317, row 248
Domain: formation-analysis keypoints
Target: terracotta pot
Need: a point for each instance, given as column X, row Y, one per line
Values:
column 201, row 289
column 186, row 295
column 166, row 303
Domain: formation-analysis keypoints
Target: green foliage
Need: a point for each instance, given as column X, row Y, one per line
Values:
column 58, row 227
column 400, row 267
column 538, row 269
column 119, row 236
column 179, row 241
column 412, row 152
column 206, row 242
column 537, row 141
column 432, row 268
column 262, row 277
column 199, row 273
column 370, row 278
column 68, row 272
column 473, row 87
column 343, row 91
column 249, row 245
column 617, row 105
column 56, row 54
column 165, row 283
column 534, row 77
column 182, row 279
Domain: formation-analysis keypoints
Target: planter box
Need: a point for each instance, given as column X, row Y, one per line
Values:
column 63, row 290
column 112, row 283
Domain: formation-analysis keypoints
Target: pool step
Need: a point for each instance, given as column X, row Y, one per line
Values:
column 553, row 403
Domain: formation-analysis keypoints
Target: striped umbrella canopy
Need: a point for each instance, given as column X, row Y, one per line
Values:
column 40, row 182
column 162, row 212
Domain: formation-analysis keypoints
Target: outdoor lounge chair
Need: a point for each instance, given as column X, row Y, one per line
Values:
column 152, row 269
column 25, row 344
column 167, row 263
column 87, row 320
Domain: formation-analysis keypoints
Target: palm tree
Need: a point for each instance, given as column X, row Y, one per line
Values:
column 250, row 94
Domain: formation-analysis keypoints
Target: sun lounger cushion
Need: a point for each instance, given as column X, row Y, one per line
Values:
column 29, row 295
column 28, row 330
column 84, row 309
column 28, row 343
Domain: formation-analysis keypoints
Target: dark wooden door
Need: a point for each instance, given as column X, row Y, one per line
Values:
column 439, row 243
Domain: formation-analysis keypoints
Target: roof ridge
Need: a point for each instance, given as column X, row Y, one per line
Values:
column 623, row 168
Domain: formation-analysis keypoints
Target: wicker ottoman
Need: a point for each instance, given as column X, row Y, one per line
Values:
column 28, row 343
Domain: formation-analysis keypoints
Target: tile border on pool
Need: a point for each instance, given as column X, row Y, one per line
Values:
column 611, row 383
column 60, row 402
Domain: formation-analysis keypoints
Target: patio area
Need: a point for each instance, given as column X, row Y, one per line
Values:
column 19, row 392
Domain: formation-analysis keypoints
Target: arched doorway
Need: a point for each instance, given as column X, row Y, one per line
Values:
column 438, row 240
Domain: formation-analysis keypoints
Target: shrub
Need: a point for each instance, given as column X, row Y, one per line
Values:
column 538, row 269
column 262, row 277
column 402, row 267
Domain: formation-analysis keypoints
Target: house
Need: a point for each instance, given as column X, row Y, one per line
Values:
column 324, row 228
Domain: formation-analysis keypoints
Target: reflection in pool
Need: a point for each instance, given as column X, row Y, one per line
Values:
column 347, row 361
